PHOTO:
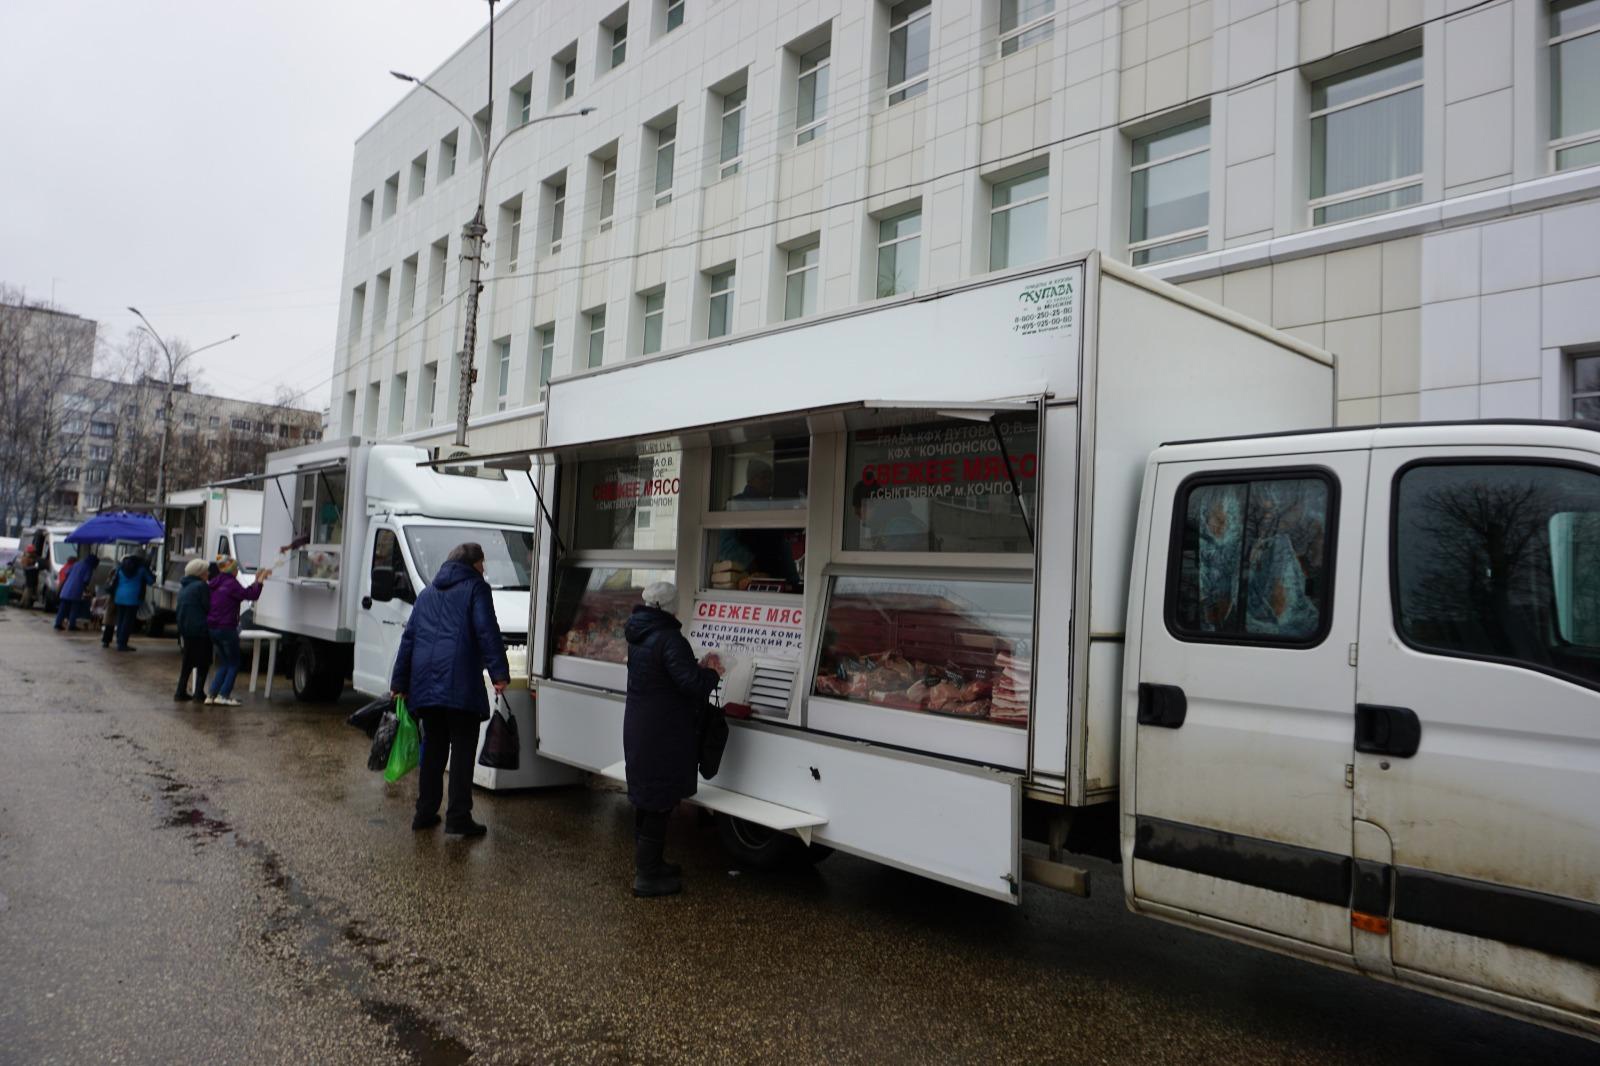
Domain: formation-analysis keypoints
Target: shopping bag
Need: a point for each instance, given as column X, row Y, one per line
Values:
column 713, row 739
column 383, row 741
column 369, row 717
column 146, row 611
column 407, row 749
column 502, row 749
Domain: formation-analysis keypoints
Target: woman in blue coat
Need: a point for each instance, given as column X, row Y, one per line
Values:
column 451, row 638
column 71, row 605
column 667, row 690
column 128, row 585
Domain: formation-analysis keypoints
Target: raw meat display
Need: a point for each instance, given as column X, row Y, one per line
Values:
column 597, row 624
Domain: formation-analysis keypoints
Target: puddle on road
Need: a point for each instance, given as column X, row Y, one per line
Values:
column 417, row 1035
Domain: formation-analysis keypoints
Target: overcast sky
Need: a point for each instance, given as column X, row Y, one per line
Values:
column 193, row 159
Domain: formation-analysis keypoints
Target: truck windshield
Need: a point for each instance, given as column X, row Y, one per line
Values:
column 507, row 553
column 247, row 549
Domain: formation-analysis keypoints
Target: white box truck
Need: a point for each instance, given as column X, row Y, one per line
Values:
column 207, row 523
column 353, row 531
column 1335, row 693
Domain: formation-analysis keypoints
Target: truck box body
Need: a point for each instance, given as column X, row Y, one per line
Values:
column 206, row 523
column 955, row 477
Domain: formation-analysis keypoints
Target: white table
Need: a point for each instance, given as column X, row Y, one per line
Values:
column 256, row 636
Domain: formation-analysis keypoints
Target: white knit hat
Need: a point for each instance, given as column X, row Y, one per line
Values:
column 660, row 594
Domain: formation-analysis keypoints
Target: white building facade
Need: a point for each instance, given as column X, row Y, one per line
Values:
column 1411, row 184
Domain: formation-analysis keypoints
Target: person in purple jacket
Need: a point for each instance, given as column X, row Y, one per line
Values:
column 222, row 619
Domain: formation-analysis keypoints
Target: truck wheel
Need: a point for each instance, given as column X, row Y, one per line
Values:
column 304, row 674
column 762, row 848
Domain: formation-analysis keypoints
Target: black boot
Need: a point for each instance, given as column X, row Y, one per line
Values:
column 650, row 875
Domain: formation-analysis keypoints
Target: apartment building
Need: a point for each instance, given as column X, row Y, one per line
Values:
column 1411, row 184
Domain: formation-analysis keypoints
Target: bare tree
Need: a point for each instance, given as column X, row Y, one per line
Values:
column 47, row 404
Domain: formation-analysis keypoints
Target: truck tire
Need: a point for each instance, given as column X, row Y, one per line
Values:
column 316, row 674
column 761, row 848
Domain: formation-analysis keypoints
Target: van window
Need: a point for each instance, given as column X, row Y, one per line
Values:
column 1500, row 561
column 1252, row 559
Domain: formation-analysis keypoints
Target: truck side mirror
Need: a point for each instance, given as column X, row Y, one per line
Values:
column 383, row 585
column 402, row 587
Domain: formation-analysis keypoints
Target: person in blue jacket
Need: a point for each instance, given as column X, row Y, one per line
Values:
column 70, row 603
column 131, row 579
column 451, row 638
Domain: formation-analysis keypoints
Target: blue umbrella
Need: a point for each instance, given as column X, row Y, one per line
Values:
column 117, row 525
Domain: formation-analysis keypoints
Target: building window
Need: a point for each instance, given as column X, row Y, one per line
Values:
column 732, row 132
column 1171, row 205
column 569, row 77
column 910, row 29
column 358, row 310
column 800, row 281
column 397, row 408
column 719, row 310
column 511, row 226
column 447, row 154
column 596, row 319
column 1585, row 393
column 614, row 37
column 502, row 372
column 547, row 353
column 608, row 192
column 666, row 155
column 364, row 217
column 655, row 315
column 558, row 214
column 438, row 265
column 1366, row 139
column 214, row 421
column 391, row 195
column 429, row 386
column 419, row 176
column 521, row 103
column 811, row 112
column 674, row 15
column 899, row 253
column 408, row 287
column 1025, row 23
column 1018, row 220
column 380, row 310
column 480, row 123
column 1574, row 83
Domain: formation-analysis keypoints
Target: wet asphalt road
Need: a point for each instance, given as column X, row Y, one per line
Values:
column 196, row 885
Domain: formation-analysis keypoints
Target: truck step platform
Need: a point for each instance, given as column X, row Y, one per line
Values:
column 739, row 805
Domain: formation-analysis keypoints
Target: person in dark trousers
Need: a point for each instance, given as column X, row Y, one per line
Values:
column 222, row 622
column 194, row 602
column 130, row 581
column 667, row 691
column 77, row 585
column 451, row 638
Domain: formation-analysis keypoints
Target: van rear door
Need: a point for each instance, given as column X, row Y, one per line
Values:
column 1477, row 757
column 1241, row 812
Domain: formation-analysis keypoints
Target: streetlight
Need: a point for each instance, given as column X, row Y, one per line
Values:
column 473, row 232
column 166, row 403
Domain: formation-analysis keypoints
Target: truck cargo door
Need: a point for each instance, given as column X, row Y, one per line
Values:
column 1245, row 698
column 1477, row 730
column 387, row 593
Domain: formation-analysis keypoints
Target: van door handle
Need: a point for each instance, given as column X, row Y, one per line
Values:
column 366, row 603
column 1383, row 730
column 1162, row 705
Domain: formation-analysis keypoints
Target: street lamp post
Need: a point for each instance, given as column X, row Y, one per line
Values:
column 166, row 402
column 473, row 232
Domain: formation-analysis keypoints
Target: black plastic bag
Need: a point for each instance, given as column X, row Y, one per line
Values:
column 368, row 718
column 502, row 748
column 713, row 739
column 383, row 740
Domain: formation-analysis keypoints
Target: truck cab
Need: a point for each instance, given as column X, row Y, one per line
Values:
column 1361, row 704
column 403, row 554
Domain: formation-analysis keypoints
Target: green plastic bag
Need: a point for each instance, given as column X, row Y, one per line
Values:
column 407, row 749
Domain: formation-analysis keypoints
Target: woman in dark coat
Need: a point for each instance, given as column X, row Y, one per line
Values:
column 667, row 690
column 451, row 638
column 194, row 601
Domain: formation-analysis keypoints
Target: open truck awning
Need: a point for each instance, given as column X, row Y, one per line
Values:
column 857, row 414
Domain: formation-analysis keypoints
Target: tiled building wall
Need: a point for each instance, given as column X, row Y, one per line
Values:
column 1111, row 71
